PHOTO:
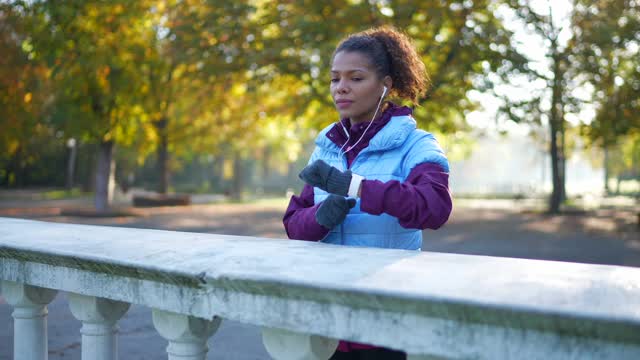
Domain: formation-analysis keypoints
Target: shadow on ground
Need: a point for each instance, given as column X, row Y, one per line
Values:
column 601, row 237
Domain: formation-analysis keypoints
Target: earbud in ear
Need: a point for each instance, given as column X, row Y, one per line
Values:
column 384, row 91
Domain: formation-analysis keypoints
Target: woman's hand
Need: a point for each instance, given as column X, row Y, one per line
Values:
column 334, row 210
column 321, row 175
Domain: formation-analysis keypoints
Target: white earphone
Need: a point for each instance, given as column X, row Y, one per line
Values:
column 340, row 153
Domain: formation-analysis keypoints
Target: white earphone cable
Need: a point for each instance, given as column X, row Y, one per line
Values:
column 340, row 153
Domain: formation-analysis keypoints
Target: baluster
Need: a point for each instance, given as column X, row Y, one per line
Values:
column 288, row 345
column 187, row 335
column 30, row 319
column 99, row 330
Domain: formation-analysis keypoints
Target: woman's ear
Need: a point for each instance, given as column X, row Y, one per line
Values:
column 388, row 82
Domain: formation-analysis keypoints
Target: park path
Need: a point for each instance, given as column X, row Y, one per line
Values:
column 491, row 228
column 480, row 227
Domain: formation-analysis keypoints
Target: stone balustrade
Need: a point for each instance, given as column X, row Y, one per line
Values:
column 306, row 295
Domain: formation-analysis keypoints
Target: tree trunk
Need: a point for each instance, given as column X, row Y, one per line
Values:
column 265, row 163
column 607, row 191
column 18, row 169
column 105, row 176
column 87, row 160
column 71, row 165
column 555, row 200
column 562, row 158
column 555, row 126
column 238, row 178
column 214, row 174
column 163, row 156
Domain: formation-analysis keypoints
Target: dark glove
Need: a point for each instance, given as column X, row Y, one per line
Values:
column 326, row 177
column 334, row 210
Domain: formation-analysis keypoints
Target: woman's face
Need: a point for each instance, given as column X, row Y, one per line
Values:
column 355, row 86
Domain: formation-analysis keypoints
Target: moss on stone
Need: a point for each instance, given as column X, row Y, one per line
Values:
column 101, row 267
column 559, row 324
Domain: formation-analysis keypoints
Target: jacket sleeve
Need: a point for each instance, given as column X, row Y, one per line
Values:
column 300, row 218
column 422, row 201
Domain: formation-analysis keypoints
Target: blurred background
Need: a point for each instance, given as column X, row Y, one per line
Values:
column 533, row 99
column 112, row 110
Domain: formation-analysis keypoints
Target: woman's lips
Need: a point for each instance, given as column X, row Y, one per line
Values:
column 343, row 104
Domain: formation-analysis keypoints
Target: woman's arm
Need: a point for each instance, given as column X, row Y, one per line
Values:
column 423, row 201
column 300, row 218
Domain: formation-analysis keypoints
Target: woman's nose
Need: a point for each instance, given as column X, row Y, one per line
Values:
column 342, row 87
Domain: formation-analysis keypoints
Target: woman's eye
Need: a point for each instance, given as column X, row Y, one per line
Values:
column 334, row 80
column 356, row 79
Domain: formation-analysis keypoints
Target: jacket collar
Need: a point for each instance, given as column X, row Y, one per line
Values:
column 392, row 135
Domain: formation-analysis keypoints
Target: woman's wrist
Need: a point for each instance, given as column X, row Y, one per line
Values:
column 355, row 185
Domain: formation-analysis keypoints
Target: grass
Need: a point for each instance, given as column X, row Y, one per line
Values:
column 63, row 194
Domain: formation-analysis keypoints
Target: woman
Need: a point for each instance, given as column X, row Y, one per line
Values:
column 374, row 179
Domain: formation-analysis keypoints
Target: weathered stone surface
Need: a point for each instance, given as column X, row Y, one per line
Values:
column 187, row 335
column 465, row 306
column 30, row 319
column 99, row 330
column 288, row 345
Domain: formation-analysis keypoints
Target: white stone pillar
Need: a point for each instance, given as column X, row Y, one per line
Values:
column 30, row 319
column 288, row 345
column 99, row 325
column 187, row 335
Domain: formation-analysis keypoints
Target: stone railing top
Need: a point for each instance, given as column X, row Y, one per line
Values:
column 466, row 288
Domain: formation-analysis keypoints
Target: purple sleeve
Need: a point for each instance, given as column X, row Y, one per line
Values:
column 423, row 201
column 300, row 217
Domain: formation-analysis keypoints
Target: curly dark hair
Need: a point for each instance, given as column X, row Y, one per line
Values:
column 392, row 53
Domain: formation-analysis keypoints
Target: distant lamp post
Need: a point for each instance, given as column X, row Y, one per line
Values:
column 71, row 164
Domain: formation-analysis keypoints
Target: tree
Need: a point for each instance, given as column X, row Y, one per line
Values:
column 182, row 78
column 93, row 50
column 23, row 97
column 198, row 46
column 464, row 45
column 552, row 101
column 607, row 53
column 461, row 43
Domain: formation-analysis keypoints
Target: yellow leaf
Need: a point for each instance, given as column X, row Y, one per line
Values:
column 27, row 97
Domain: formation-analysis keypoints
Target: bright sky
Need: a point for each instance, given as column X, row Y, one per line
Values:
column 533, row 47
